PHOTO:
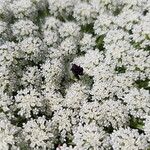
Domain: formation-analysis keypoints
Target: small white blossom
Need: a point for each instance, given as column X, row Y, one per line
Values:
column 65, row 147
column 89, row 61
column 87, row 42
column 39, row 133
column 128, row 139
column 4, row 31
column 23, row 8
column 5, row 101
column 32, row 48
column 8, row 52
column 69, row 29
column 62, row 119
column 51, row 23
column 28, row 101
column 146, row 127
column 84, row 13
column 24, row 28
column 51, row 38
column 83, row 65
column 5, row 9
column 76, row 95
column 90, row 136
column 90, row 111
column 103, row 23
column 59, row 7
column 138, row 102
column 127, row 18
column 110, row 117
column 68, row 46
column 52, row 71
column 7, row 134
column 53, row 99
column 141, row 31
column 31, row 77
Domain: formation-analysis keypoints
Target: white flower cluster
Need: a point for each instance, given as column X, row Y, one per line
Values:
column 74, row 74
column 8, row 134
column 90, row 136
column 24, row 28
column 28, row 102
column 128, row 139
column 38, row 133
column 23, row 8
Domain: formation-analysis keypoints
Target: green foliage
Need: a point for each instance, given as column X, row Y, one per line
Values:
column 136, row 123
column 88, row 28
column 121, row 69
column 41, row 16
column 100, row 42
column 143, row 84
column 117, row 11
column 87, row 80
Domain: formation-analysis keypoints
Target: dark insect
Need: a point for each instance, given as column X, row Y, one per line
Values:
column 77, row 70
column 145, row 12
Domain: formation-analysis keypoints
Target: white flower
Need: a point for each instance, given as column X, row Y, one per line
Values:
column 5, row 101
column 141, row 31
column 104, row 22
column 63, row 119
column 32, row 48
column 89, row 107
column 65, row 147
column 90, row 111
column 69, row 29
column 52, row 71
column 89, row 61
column 51, row 38
column 4, row 30
column 4, row 78
column 90, row 136
column 61, row 7
column 68, row 46
column 8, row 52
column 31, row 77
column 9, row 70
column 84, row 13
column 125, row 139
column 28, row 101
column 146, row 127
column 135, row 4
column 76, row 95
column 138, row 102
column 7, row 134
column 54, row 53
column 51, row 23
column 23, row 8
column 136, row 59
column 110, row 117
column 5, row 9
column 127, row 18
column 115, row 35
column 87, row 42
column 106, row 84
column 53, row 99
column 117, row 49
column 39, row 133
column 24, row 28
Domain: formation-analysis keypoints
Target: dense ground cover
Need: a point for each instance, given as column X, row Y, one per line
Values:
column 74, row 74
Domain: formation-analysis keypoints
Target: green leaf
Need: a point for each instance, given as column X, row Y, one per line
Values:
column 136, row 123
column 100, row 42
